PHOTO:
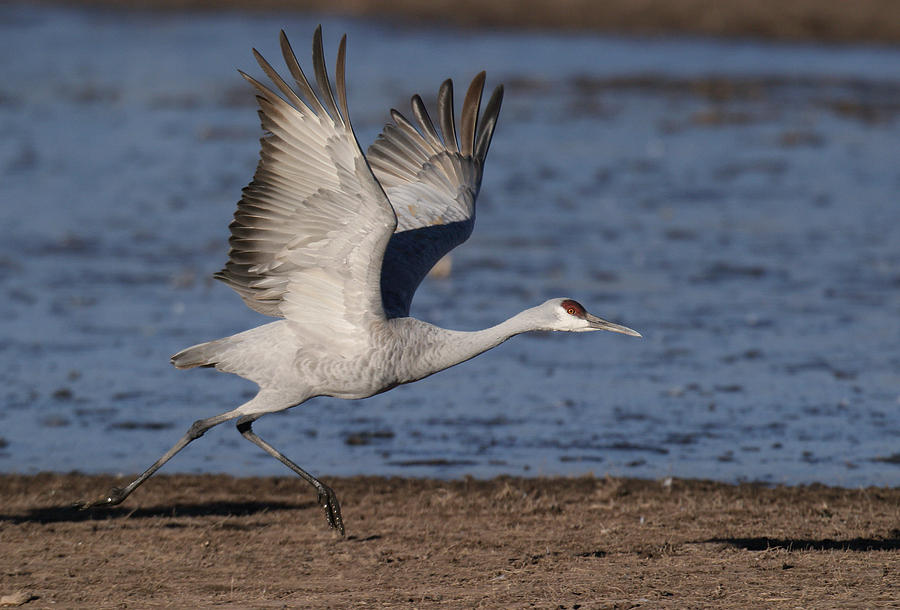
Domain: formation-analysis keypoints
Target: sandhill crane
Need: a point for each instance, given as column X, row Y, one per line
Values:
column 336, row 242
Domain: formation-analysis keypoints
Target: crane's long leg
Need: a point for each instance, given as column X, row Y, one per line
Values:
column 197, row 429
column 327, row 497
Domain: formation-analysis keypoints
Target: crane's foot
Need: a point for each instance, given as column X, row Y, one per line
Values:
column 328, row 500
column 115, row 496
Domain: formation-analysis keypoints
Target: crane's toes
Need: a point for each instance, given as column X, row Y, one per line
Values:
column 115, row 496
column 329, row 502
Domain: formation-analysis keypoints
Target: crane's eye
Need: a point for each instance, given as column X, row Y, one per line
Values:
column 573, row 308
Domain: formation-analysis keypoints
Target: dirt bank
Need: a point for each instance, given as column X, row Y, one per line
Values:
column 202, row 541
column 824, row 20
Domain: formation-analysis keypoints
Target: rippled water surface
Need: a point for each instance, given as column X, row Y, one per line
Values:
column 735, row 202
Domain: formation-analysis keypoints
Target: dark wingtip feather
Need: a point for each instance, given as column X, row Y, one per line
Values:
column 488, row 123
column 290, row 58
column 469, row 114
column 425, row 123
column 321, row 71
column 445, row 115
column 279, row 82
column 341, row 76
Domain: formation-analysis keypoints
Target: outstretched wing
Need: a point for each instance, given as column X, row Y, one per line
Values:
column 431, row 181
column 310, row 231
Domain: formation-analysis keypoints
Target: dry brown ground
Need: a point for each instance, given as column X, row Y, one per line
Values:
column 830, row 20
column 217, row 541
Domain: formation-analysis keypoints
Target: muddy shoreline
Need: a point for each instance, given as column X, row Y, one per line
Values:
column 215, row 540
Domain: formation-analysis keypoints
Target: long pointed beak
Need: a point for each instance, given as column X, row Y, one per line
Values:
column 601, row 324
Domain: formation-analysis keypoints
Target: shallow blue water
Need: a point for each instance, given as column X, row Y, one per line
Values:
column 736, row 202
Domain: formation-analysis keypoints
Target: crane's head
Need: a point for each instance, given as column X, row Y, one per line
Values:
column 570, row 315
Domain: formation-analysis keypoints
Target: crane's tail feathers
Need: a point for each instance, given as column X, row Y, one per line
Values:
column 204, row 354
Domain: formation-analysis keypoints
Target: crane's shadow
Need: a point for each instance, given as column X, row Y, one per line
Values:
column 762, row 543
column 73, row 514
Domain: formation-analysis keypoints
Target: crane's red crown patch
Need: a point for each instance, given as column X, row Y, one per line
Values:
column 573, row 308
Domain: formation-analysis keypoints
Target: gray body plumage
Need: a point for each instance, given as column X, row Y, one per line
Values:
column 336, row 242
column 400, row 350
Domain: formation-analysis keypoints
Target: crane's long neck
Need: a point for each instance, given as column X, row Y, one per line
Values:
column 434, row 349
